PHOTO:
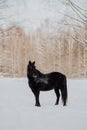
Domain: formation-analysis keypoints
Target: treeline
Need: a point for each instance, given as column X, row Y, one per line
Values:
column 52, row 52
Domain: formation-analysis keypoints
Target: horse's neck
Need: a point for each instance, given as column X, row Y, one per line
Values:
column 40, row 74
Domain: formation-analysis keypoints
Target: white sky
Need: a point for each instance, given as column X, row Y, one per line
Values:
column 30, row 14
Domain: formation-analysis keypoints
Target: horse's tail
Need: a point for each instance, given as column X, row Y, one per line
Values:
column 64, row 92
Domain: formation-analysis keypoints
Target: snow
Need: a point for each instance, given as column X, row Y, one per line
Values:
column 17, row 110
column 31, row 14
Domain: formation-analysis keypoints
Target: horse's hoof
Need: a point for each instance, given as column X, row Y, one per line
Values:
column 64, row 105
column 56, row 103
column 37, row 105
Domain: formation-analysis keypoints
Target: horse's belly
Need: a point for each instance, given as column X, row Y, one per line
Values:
column 45, row 88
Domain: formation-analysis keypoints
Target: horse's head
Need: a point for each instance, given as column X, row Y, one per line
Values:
column 31, row 69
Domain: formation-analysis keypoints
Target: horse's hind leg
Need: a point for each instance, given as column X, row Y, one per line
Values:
column 57, row 95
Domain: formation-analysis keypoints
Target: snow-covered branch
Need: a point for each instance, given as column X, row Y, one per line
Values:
column 81, row 13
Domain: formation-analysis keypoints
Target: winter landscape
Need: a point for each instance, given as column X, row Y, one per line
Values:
column 17, row 110
column 53, row 33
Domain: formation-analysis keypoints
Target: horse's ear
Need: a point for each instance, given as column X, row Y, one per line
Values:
column 29, row 62
column 34, row 63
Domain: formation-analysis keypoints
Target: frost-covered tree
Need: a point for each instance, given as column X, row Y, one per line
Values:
column 77, row 22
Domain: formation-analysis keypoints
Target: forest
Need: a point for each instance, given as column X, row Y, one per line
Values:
column 61, row 48
column 51, row 52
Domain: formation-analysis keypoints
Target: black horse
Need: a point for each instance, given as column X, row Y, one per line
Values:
column 45, row 82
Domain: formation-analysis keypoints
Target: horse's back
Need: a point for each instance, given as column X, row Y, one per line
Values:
column 56, row 75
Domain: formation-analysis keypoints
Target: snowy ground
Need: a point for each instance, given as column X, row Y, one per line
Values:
column 17, row 110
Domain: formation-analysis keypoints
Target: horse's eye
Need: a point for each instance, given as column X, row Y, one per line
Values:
column 34, row 75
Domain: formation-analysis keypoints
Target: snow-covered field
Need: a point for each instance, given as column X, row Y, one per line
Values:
column 17, row 110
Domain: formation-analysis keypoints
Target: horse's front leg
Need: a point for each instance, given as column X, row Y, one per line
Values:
column 36, row 94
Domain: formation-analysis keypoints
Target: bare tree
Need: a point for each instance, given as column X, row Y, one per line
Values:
column 79, row 20
column 79, row 34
